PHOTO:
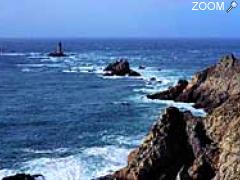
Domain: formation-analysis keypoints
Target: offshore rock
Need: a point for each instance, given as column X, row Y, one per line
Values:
column 24, row 177
column 120, row 68
column 59, row 52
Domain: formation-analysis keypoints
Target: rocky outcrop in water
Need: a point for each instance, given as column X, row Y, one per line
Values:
column 184, row 147
column 209, row 88
column 24, row 177
column 120, row 68
column 59, row 52
column 172, row 93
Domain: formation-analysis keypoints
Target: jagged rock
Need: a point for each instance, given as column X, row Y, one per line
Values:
column 181, row 146
column 169, row 150
column 209, row 88
column 176, row 147
column 172, row 93
column 120, row 68
column 24, row 177
column 223, row 126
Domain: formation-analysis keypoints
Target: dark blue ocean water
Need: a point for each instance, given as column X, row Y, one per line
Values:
column 62, row 118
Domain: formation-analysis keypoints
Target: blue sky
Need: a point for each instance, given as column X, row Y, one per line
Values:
column 114, row 18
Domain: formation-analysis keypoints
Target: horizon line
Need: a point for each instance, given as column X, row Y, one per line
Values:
column 29, row 38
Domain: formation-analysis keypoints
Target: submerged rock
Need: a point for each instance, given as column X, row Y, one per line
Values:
column 153, row 79
column 141, row 67
column 120, row 68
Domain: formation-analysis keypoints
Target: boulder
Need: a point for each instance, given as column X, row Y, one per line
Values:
column 120, row 68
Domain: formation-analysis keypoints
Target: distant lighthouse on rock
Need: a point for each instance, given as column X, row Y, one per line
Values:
column 59, row 52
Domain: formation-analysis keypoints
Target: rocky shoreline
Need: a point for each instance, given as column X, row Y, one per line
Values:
column 184, row 147
column 180, row 146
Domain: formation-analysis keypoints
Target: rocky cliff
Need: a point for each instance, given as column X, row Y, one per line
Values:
column 181, row 146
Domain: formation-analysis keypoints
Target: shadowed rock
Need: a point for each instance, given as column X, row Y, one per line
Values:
column 59, row 52
column 172, row 93
column 208, row 89
column 120, row 68
column 24, row 177
column 174, row 144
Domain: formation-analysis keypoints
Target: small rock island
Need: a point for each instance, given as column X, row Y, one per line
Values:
column 120, row 68
column 59, row 52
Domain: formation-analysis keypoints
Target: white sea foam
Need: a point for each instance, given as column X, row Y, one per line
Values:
column 59, row 150
column 194, row 51
column 40, row 65
column 83, row 69
column 106, row 159
column 12, row 54
column 184, row 107
column 89, row 163
column 124, row 140
column 26, row 70
column 168, row 103
column 113, row 77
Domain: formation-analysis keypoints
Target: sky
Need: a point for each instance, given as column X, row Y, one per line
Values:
column 114, row 19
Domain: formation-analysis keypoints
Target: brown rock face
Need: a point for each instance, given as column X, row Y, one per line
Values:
column 183, row 147
column 209, row 88
column 223, row 126
column 172, row 93
column 175, row 146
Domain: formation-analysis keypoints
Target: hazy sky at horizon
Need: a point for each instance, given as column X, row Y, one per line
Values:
column 112, row 18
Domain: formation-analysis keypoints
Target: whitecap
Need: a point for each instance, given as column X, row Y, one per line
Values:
column 26, row 70
column 121, row 140
column 50, row 168
column 40, row 65
column 182, row 106
column 12, row 54
column 35, row 151
column 194, row 51
column 90, row 163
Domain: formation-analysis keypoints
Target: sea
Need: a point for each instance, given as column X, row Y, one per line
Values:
column 60, row 117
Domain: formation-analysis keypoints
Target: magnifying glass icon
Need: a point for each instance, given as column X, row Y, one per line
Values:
column 233, row 5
